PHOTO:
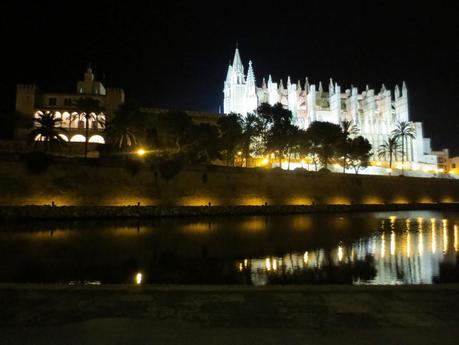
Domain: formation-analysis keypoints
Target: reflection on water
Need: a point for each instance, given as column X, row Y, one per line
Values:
column 375, row 248
column 370, row 259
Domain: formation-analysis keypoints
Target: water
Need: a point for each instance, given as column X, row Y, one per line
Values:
column 371, row 248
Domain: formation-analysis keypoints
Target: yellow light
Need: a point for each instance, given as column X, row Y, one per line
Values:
column 392, row 243
column 240, row 267
column 268, row 264
column 440, row 170
column 305, row 258
column 389, row 170
column 340, row 253
column 420, row 240
column 445, row 240
column 265, row 161
column 378, row 164
column 138, row 278
column 239, row 153
column 455, row 239
column 337, row 166
column 245, row 262
column 140, row 152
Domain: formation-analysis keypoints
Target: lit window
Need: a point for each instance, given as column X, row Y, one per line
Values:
column 97, row 139
column 78, row 139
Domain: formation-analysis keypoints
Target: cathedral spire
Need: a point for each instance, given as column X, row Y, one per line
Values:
column 397, row 91
column 404, row 89
column 331, row 89
column 250, row 74
column 298, row 85
column 281, row 85
column 263, row 84
column 237, row 59
column 228, row 74
column 306, row 85
column 321, row 89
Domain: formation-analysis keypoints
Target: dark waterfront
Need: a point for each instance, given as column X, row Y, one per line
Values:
column 418, row 247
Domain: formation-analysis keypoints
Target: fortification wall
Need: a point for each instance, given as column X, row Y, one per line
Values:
column 74, row 182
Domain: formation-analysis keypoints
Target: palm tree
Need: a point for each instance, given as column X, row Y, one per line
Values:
column 390, row 149
column 349, row 129
column 402, row 131
column 122, row 129
column 90, row 108
column 70, row 118
column 48, row 130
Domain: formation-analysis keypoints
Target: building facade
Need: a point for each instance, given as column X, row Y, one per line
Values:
column 31, row 102
column 374, row 113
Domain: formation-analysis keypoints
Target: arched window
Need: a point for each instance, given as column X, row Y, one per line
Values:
column 97, row 139
column 63, row 136
column 78, row 138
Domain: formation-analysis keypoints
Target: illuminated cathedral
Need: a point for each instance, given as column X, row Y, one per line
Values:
column 374, row 113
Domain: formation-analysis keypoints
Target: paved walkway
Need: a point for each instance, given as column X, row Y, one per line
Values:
column 229, row 315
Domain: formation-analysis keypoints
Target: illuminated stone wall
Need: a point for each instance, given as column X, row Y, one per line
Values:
column 98, row 183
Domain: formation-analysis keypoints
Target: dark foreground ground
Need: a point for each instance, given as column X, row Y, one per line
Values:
column 229, row 315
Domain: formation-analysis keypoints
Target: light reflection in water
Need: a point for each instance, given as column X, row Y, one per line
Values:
column 408, row 263
column 363, row 249
column 445, row 235
column 340, row 253
column 455, row 238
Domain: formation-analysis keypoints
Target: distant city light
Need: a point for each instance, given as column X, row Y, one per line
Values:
column 140, row 152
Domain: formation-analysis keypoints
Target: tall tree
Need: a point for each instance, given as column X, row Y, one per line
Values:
column 201, row 144
column 403, row 130
column 359, row 153
column 173, row 127
column 344, row 147
column 349, row 129
column 90, row 109
column 390, row 148
column 230, row 129
column 47, row 130
column 251, row 125
column 325, row 139
column 278, row 126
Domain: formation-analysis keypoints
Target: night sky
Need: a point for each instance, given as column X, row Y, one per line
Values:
column 175, row 54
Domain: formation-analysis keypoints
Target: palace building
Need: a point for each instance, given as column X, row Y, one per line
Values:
column 31, row 102
column 374, row 113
